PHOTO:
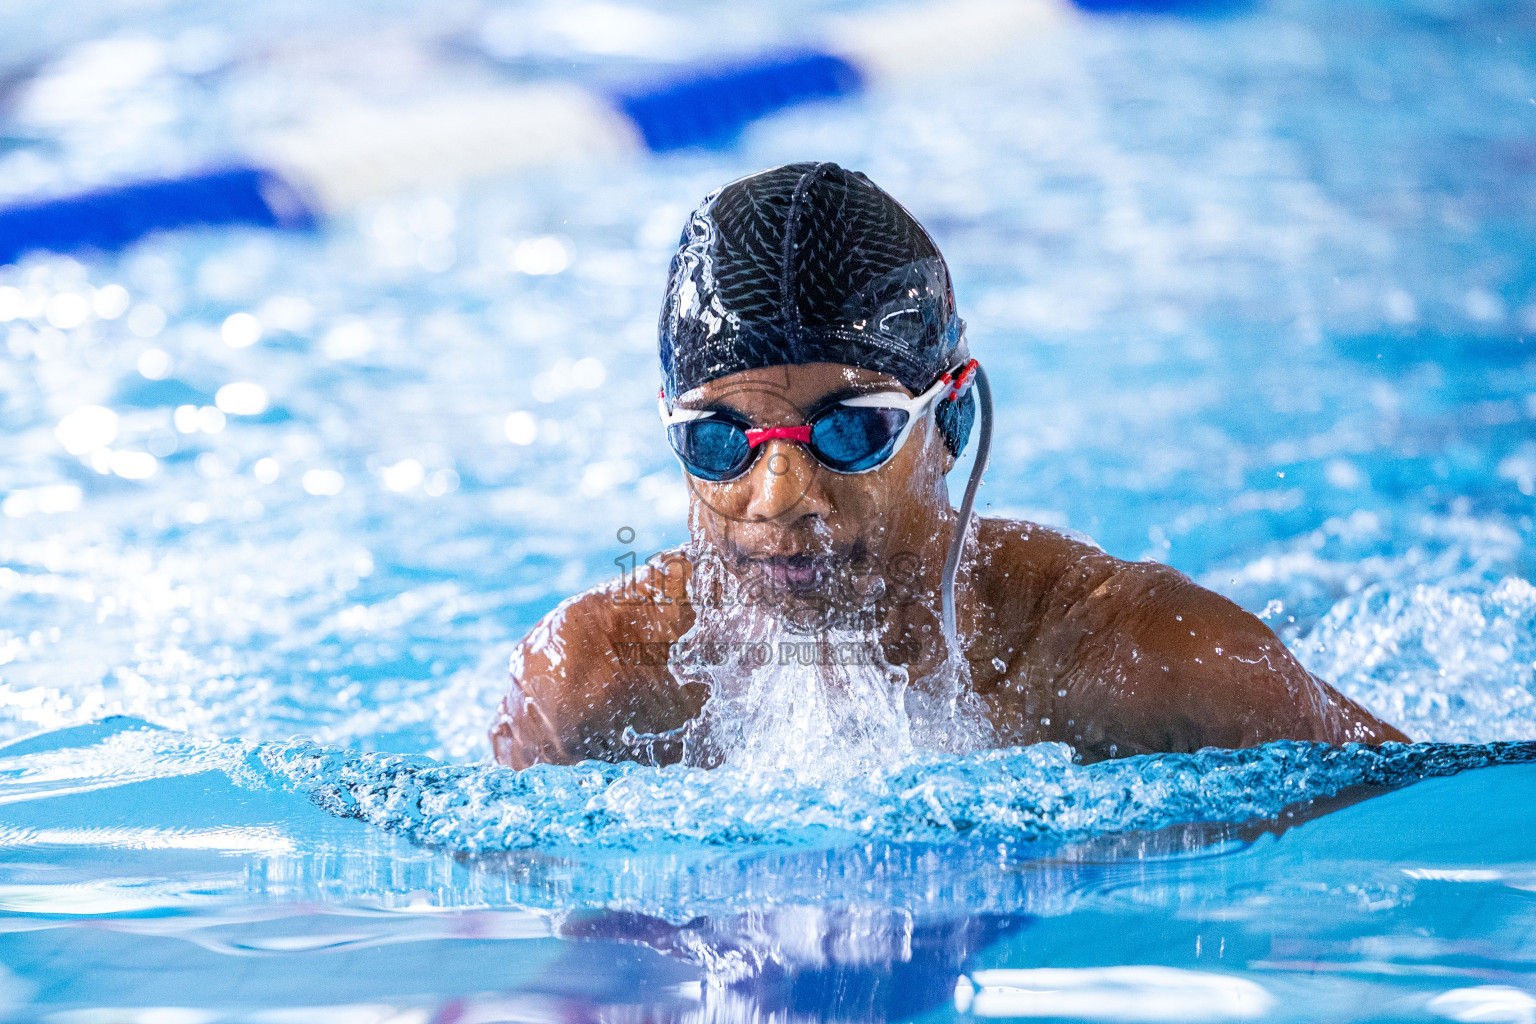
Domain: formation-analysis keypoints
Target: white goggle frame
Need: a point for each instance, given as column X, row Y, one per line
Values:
column 957, row 380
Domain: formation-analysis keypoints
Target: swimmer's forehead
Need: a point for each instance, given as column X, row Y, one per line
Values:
column 797, row 385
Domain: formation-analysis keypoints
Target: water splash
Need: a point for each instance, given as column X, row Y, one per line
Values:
column 823, row 705
column 819, row 697
column 1455, row 663
column 801, row 683
column 1018, row 794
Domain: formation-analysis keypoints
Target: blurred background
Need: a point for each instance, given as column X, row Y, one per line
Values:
column 328, row 359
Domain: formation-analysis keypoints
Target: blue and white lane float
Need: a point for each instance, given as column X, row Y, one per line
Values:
column 348, row 153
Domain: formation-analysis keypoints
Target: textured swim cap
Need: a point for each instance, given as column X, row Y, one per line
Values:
column 807, row 263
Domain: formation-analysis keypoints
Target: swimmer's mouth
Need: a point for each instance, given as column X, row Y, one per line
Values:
column 799, row 572
column 792, row 572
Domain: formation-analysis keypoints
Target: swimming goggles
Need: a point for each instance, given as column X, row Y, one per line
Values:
column 851, row 435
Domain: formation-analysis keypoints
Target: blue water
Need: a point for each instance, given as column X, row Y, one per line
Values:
column 1253, row 291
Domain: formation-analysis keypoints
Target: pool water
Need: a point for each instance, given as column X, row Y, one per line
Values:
column 1254, row 292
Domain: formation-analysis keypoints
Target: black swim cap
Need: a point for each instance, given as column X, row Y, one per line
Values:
column 808, row 263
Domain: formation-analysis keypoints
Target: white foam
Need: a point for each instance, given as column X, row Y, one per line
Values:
column 1448, row 663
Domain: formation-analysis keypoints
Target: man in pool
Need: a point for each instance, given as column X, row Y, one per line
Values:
column 817, row 386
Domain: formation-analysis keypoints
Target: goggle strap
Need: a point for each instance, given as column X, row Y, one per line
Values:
column 673, row 417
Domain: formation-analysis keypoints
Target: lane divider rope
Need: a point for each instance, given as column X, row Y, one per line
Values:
column 348, row 153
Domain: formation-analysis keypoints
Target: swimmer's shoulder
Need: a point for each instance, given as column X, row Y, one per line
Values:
column 595, row 632
column 1054, row 571
column 594, row 666
column 1048, row 591
column 1036, row 573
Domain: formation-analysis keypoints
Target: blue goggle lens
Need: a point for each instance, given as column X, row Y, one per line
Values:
column 714, row 449
column 851, row 439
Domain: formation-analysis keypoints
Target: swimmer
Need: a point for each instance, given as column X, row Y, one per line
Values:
column 817, row 386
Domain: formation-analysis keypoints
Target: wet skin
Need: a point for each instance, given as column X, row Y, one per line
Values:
column 1065, row 643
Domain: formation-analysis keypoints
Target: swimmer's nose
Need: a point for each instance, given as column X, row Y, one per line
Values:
column 783, row 484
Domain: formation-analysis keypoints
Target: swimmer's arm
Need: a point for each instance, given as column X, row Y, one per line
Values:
column 532, row 724
column 591, row 669
column 1161, row 664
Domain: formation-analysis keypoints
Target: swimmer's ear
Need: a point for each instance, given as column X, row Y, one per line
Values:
column 954, row 419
